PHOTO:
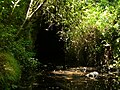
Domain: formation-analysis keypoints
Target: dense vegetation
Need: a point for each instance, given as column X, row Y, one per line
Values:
column 85, row 27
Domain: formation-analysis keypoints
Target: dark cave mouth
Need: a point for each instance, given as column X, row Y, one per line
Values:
column 49, row 48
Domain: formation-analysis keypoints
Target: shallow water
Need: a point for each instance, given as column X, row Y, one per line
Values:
column 74, row 79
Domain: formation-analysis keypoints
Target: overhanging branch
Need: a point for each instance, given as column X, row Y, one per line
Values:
column 15, row 4
column 29, row 15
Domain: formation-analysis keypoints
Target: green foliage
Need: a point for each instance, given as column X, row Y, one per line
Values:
column 10, row 70
column 11, row 19
column 85, row 26
column 33, row 63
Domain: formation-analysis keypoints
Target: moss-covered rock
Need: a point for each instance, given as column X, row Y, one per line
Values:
column 10, row 71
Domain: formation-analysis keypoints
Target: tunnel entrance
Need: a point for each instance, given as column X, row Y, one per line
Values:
column 49, row 48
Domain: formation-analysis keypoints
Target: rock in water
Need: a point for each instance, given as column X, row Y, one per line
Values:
column 92, row 74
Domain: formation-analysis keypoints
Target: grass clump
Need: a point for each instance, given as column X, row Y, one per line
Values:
column 10, row 71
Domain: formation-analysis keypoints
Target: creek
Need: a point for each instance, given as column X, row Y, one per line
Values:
column 75, row 79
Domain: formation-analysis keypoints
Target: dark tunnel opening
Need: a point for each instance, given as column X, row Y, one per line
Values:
column 49, row 48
